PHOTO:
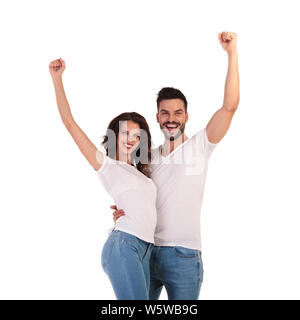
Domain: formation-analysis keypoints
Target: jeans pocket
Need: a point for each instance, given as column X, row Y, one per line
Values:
column 185, row 252
column 200, row 269
column 107, row 251
column 128, row 237
column 147, row 253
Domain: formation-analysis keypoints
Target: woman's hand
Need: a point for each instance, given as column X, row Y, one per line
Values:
column 56, row 68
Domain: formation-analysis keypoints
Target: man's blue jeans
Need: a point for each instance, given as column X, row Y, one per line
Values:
column 177, row 268
column 126, row 260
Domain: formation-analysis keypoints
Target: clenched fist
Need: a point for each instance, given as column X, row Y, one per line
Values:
column 56, row 68
column 227, row 41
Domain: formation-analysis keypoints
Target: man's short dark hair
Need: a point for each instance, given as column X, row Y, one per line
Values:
column 170, row 93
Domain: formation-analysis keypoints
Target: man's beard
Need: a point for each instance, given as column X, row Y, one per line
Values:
column 170, row 137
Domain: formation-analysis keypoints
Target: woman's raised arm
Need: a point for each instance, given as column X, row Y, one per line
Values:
column 87, row 148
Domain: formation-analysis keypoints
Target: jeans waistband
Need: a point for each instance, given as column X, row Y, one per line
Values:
column 123, row 234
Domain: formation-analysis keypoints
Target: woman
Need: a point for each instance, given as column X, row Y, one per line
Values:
column 124, row 172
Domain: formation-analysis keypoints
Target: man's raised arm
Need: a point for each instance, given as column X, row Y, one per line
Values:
column 220, row 121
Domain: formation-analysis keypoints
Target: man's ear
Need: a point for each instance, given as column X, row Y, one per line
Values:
column 157, row 117
column 186, row 117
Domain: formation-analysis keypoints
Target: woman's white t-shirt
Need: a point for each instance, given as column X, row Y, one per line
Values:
column 135, row 193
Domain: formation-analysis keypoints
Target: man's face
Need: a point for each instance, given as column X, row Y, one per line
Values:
column 172, row 118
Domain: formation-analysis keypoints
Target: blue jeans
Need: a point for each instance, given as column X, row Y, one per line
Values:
column 177, row 268
column 126, row 260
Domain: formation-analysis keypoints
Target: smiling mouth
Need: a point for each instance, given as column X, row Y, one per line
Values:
column 128, row 145
column 171, row 127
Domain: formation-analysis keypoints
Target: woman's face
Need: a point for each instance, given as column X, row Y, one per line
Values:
column 129, row 137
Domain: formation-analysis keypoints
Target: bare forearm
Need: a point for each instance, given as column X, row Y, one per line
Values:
column 62, row 102
column 232, row 84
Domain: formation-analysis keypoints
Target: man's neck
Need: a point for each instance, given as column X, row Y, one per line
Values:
column 169, row 145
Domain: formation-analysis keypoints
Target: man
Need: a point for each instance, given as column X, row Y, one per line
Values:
column 179, row 170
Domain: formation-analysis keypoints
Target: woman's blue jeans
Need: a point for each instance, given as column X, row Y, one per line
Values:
column 126, row 260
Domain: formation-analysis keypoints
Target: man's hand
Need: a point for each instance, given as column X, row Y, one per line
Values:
column 227, row 41
column 117, row 213
column 56, row 68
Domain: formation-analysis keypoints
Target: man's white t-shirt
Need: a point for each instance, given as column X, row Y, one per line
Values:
column 180, row 179
column 133, row 192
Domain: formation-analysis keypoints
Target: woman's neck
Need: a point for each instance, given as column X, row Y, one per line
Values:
column 123, row 157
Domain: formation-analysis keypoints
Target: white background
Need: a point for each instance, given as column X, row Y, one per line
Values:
column 54, row 211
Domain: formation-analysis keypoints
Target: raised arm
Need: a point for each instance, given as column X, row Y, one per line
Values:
column 87, row 148
column 219, row 124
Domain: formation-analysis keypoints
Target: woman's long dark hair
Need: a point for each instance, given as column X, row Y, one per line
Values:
column 143, row 151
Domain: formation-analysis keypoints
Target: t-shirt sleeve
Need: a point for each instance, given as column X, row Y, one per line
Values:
column 206, row 146
column 110, row 175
